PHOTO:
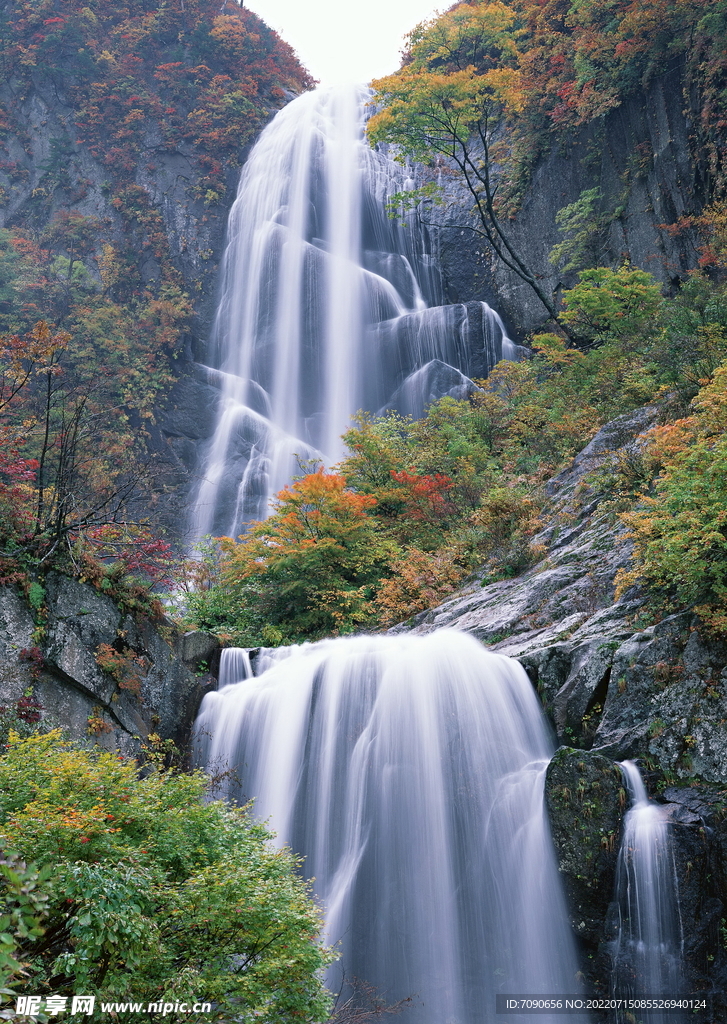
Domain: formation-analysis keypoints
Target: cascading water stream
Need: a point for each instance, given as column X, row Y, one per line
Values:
column 234, row 666
column 408, row 771
column 327, row 306
column 647, row 951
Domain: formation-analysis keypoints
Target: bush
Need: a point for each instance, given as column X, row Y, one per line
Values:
column 156, row 895
column 313, row 566
column 680, row 530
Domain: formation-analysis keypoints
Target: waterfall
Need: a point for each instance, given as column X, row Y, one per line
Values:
column 234, row 666
column 408, row 771
column 647, row 951
column 327, row 306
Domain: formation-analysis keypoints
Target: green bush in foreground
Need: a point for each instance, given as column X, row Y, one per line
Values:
column 154, row 894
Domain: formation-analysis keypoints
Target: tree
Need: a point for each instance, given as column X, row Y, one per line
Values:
column 152, row 893
column 458, row 87
column 72, row 465
column 311, row 568
column 23, row 905
column 613, row 304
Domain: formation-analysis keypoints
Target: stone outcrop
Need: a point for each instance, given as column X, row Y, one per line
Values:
column 611, row 678
column 98, row 670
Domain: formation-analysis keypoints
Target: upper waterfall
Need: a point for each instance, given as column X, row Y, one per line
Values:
column 327, row 306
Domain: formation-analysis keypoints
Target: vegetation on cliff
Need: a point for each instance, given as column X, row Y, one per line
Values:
column 148, row 893
column 417, row 507
column 487, row 88
column 186, row 72
column 94, row 310
column 540, row 70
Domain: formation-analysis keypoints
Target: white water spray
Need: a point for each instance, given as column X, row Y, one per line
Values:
column 327, row 306
column 409, row 772
column 234, row 666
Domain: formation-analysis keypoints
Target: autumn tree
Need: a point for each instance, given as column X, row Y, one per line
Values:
column 459, row 86
column 312, row 567
column 73, row 469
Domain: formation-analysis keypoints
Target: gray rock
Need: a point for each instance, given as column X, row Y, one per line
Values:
column 16, row 636
column 157, row 688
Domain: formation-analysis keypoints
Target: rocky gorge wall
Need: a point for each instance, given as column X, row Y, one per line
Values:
column 615, row 685
column 639, row 155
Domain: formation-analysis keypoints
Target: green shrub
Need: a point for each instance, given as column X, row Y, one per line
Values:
column 155, row 894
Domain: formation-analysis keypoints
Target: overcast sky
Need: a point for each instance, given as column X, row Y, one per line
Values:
column 339, row 40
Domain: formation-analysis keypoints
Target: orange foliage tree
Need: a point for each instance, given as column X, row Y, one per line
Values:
column 313, row 566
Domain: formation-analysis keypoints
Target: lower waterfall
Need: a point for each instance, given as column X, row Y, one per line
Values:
column 647, row 951
column 408, row 771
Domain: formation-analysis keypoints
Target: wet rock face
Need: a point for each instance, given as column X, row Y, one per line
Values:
column 585, row 799
column 669, row 700
column 699, row 842
column 99, row 671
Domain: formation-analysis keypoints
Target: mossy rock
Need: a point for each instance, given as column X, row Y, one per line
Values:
column 586, row 800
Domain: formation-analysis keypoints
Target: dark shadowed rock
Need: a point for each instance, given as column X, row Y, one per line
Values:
column 585, row 799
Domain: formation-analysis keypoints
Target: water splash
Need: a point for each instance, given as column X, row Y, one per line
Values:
column 327, row 306
column 409, row 772
column 647, row 952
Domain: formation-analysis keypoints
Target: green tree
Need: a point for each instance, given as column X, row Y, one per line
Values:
column 156, row 895
column 616, row 305
column 459, row 86
column 23, row 905
column 581, row 223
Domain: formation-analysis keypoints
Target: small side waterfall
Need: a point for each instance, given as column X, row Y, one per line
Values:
column 327, row 306
column 409, row 772
column 647, row 952
column 234, row 666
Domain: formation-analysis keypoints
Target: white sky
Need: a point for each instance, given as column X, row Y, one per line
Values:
column 342, row 40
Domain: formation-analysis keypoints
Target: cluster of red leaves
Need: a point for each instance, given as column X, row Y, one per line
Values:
column 136, row 549
column 580, row 59
column 426, row 496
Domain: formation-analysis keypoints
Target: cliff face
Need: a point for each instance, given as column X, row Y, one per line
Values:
column 172, row 180
column 122, row 132
column 640, row 156
column 615, row 685
column 99, row 670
